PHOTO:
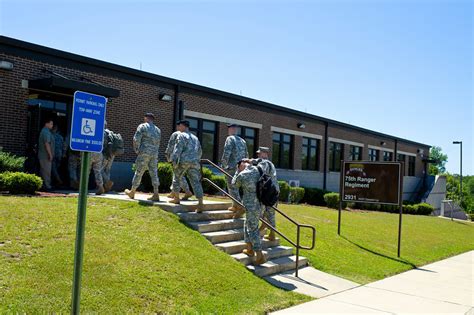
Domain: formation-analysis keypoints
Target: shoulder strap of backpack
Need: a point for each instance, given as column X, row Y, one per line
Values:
column 260, row 171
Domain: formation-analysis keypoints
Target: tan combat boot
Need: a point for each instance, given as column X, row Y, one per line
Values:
column 155, row 196
column 175, row 199
column 260, row 259
column 187, row 195
column 271, row 236
column 249, row 251
column 171, row 195
column 100, row 190
column 239, row 213
column 200, row 206
column 108, row 186
column 130, row 193
column 233, row 208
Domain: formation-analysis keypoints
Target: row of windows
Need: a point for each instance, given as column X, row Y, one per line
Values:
column 282, row 149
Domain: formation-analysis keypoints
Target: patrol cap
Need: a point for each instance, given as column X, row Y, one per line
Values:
column 150, row 115
column 183, row 122
column 263, row 150
column 232, row 125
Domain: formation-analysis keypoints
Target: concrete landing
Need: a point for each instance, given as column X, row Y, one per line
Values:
column 311, row 282
column 446, row 286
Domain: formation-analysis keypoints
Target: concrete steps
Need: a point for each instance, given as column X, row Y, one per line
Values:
column 216, row 224
column 277, row 265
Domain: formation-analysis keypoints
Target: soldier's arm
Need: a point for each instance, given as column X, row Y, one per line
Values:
column 237, row 180
column 177, row 150
column 137, row 139
column 170, row 147
column 227, row 151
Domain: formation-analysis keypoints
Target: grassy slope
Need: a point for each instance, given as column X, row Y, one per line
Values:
column 137, row 259
column 367, row 248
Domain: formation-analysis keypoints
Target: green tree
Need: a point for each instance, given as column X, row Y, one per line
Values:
column 439, row 167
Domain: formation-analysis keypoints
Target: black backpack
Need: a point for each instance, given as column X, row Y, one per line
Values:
column 267, row 190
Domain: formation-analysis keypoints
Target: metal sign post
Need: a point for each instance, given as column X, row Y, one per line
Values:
column 372, row 182
column 87, row 135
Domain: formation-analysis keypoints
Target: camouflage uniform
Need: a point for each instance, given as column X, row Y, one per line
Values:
column 269, row 169
column 235, row 149
column 74, row 165
column 247, row 180
column 108, row 157
column 183, row 184
column 96, row 166
column 146, row 143
column 185, row 158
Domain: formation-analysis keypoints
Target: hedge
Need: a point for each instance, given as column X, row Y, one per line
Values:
column 296, row 194
column 20, row 183
column 407, row 208
column 314, row 196
column 284, row 191
column 332, row 200
column 10, row 162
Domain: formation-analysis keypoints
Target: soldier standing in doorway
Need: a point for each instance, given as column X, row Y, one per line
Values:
column 96, row 166
column 235, row 150
column 185, row 158
column 247, row 178
column 146, row 143
column 183, row 184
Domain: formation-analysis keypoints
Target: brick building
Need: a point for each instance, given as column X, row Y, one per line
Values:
column 37, row 81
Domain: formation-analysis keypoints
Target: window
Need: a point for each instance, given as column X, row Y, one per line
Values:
column 373, row 155
column 282, row 152
column 387, row 156
column 411, row 165
column 401, row 158
column 250, row 137
column 336, row 154
column 310, row 154
column 206, row 131
column 356, row 153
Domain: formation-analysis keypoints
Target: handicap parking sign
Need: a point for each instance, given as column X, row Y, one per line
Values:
column 88, row 120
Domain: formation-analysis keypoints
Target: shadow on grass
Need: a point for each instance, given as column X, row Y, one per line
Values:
column 403, row 261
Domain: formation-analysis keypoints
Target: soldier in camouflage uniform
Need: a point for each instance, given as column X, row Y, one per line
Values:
column 235, row 149
column 268, row 168
column 247, row 178
column 183, row 184
column 146, row 143
column 96, row 162
column 185, row 157
column 73, row 166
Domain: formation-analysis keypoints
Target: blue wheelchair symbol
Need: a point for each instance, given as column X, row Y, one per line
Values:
column 86, row 128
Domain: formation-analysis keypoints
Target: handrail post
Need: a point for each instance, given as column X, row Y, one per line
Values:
column 297, row 249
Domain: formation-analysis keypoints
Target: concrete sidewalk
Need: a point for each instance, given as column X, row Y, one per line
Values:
column 446, row 286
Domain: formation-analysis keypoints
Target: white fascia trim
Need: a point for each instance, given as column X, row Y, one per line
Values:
column 358, row 144
column 296, row 132
column 189, row 113
column 407, row 153
column 380, row 148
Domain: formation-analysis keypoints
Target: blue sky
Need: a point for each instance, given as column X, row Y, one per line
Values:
column 398, row 67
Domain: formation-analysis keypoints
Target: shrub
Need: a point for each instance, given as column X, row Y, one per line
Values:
column 296, row 194
column 332, row 200
column 284, row 191
column 424, row 209
column 20, row 183
column 165, row 174
column 410, row 209
column 314, row 196
column 10, row 162
column 206, row 187
column 220, row 180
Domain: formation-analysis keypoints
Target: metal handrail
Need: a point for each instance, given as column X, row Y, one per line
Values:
column 298, row 225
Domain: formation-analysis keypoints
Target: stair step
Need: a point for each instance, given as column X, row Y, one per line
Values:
column 188, row 206
column 235, row 247
column 224, row 236
column 217, row 225
column 270, row 253
column 277, row 265
column 206, row 215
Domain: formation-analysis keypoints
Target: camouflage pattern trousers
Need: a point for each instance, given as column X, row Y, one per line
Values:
column 73, row 166
column 182, row 182
column 146, row 162
column 96, row 166
column 106, row 166
column 193, row 171
column 268, row 215
column 233, row 191
column 252, row 215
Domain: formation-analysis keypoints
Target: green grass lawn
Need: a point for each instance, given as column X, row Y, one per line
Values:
column 367, row 248
column 138, row 259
